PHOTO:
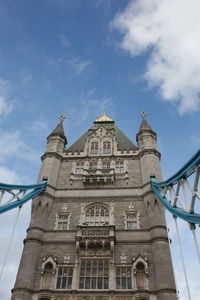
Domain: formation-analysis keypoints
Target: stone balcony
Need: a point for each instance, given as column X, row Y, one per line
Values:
column 98, row 176
column 95, row 239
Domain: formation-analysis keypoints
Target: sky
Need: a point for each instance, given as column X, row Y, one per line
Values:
column 80, row 57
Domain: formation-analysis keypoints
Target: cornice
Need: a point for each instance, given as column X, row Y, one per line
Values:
column 102, row 292
column 35, row 240
column 52, row 154
column 149, row 151
column 124, row 156
column 35, row 228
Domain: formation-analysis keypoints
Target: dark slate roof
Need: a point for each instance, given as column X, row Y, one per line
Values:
column 78, row 146
column 123, row 143
column 58, row 131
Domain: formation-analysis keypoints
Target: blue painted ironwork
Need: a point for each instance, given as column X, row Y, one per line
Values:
column 180, row 179
column 15, row 201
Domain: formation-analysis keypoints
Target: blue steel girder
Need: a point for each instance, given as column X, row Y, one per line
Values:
column 20, row 194
column 173, row 193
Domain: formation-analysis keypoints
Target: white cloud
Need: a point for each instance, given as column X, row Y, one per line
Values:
column 5, row 106
column 190, row 258
column 195, row 139
column 64, row 40
column 10, row 271
column 25, row 76
column 75, row 65
column 82, row 112
column 169, row 30
column 8, row 176
column 39, row 125
column 12, row 145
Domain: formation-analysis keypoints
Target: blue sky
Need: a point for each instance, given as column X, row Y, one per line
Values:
column 80, row 57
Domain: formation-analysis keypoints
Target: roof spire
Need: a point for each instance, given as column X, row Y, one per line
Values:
column 59, row 130
column 144, row 125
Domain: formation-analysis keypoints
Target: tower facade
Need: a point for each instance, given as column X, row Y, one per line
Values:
column 97, row 232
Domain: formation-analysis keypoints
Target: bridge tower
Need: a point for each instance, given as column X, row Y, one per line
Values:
column 97, row 232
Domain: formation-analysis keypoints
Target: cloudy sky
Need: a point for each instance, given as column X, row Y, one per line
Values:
column 80, row 57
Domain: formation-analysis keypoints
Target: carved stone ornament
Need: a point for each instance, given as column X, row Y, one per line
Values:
column 123, row 258
column 50, row 259
column 66, row 259
column 65, row 208
column 138, row 259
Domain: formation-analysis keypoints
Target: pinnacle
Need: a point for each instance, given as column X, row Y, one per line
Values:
column 59, row 130
column 144, row 125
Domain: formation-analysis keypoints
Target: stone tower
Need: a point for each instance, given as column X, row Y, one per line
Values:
column 97, row 232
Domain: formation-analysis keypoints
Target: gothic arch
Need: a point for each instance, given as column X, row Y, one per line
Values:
column 48, row 273
column 97, row 214
column 140, row 271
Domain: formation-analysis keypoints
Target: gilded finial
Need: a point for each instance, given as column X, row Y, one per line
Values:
column 104, row 118
column 143, row 114
column 61, row 118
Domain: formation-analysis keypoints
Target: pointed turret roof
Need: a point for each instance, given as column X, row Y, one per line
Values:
column 59, row 130
column 144, row 125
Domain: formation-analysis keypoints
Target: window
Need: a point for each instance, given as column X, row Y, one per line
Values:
column 64, row 278
column 97, row 216
column 79, row 168
column 94, row 274
column 123, row 278
column 131, row 221
column 106, row 147
column 106, row 165
column 119, row 167
column 94, row 147
column 62, row 222
column 92, row 166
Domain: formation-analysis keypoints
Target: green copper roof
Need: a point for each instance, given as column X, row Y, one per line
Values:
column 123, row 143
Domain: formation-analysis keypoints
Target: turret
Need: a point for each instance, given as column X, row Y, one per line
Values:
column 56, row 143
column 149, row 156
column 146, row 137
column 41, row 206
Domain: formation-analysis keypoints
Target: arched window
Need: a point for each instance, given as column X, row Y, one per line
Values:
column 97, row 215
